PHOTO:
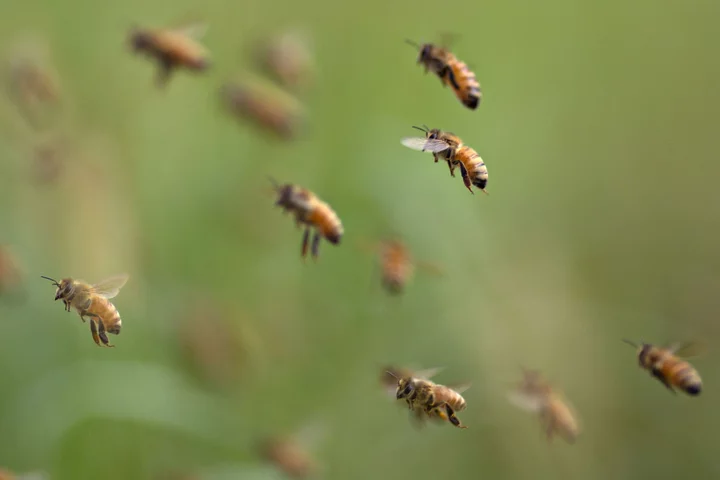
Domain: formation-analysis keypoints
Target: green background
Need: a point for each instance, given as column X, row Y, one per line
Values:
column 599, row 129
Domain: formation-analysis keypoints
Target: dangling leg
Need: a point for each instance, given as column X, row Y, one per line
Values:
column 451, row 416
column 101, row 333
column 305, row 242
column 466, row 178
column 315, row 245
column 93, row 331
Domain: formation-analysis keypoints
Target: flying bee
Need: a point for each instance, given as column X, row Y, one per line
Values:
column 271, row 109
column 93, row 301
column 398, row 266
column 434, row 399
column 664, row 363
column 450, row 147
column 287, row 58
column 293, row 454
column 451, row 71
column 536, row 395
column 172, row 48
column 312, row 212
column 11, row 273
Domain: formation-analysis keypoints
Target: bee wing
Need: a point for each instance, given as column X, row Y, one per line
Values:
column 460, row 388
column 526, row 401
column 428, row 373
column 195, row 30
column 430, row 268
column 110, row 287
column 312, row 434
column 424, row 145
column 687, row 349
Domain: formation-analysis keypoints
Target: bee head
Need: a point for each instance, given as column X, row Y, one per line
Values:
column 405, row 388
column 139, row 39
column 644, row 352
column 284, row 192
column 63, row 288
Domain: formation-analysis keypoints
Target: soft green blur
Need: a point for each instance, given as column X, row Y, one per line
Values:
column 599, row 129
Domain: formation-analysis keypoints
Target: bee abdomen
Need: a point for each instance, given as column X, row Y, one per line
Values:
column 689, row 380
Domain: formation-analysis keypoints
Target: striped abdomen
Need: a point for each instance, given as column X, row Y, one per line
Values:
column 326, row 221
column 397, row 267
column 474, row 165
column 107, row 312
column 464, row 84
column 680, row 374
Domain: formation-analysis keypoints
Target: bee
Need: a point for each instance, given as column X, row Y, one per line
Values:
column 434, row 399
column 398, row 266
column 172, row 48
column 93, row 301
column 271, row 109
column 664, row 363
column 536, row 395
column 450, row 147
column 451, row 71
column 287, row 58
column 11, row 274
column 292, row 454
column 312, row 212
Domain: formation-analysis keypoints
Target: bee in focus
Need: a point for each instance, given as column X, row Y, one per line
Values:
column 435, row 400
column 398, row 266
column 93, row 301
column 450, row 148
column 536, row 395
column 665, row 364
column 287, row 58
column 451, row 71
column 312, row 212
column 269, row 108
column 172, row 48
column 292, row 454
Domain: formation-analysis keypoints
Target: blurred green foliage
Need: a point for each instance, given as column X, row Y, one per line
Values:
column 598, row 126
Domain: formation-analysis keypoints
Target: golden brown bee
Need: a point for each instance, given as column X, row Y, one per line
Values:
column 292, row 454
column 172, row 48
column 312, row 212
column 398, row 266
column 536, row 395
column 269, row 108
column 434, row 399
column 287, row 58
column 451, row 71
column 449, row 147
column 664, row 363
column 11, row 275
column 93, row 301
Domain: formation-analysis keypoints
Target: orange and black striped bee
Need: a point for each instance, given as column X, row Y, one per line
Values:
column 271, row 109
column 451, row 71
column 398, row 266
column 664, row 363
column 450, row 147
column 172, row 48
column 312, row 212
column 93, row 301
column 536, row 395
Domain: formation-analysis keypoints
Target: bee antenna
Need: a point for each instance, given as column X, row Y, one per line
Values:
column 51, row 279
column 426, row 129
column 392, row 374
column 410, row 42
column 629, row 342
column 274, row 182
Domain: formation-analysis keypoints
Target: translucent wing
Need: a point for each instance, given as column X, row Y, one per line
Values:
column 687, row 349
column 525, row 401
column 196, row 30
column 430, row 268
column 424, row 145
column 110, row 287
column 459, row 388
column 428, row 373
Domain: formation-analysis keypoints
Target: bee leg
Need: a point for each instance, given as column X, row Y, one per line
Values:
column 164, row 71
column 315, row 245
column 466, row 178
column 659, row 375
column 451, row 167
column 305, row 243
column 93, row 331
column 451, row 416
column 101, row 333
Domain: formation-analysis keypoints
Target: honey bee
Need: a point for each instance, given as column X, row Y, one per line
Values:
column 292, row 454
column 11, row 275
column 536, row 395
column 434, row 399
column 449, row 147
column 93, row 301
column 287, row 58
column 172, row 48
column 312, row 212
column 664, row 363
column 451, row 71
column 397, row 265
column 271, row 109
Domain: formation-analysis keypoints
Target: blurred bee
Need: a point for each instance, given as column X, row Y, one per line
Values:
column 451, row 71
column 312, row 212
column 11, row 276
column 292, row 454
column 287, row 58
column 398, row 266
column 664, row 364
column 172, row 48
column 434, row 399
column 93, row 301
column 8, row 475
column 449, row 147
column 273, row 110
column 536, row 395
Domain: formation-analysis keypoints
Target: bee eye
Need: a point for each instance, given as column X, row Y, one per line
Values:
column 407, row 390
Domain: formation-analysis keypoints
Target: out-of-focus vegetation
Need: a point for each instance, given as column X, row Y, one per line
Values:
column 598, row 125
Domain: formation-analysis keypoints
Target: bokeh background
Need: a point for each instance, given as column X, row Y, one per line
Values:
column 599, row 129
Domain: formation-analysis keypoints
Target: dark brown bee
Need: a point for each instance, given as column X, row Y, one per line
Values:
column 312, row 212
column 271, row 109
column 172, row 49
column 451, row 71
column 665, row 364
